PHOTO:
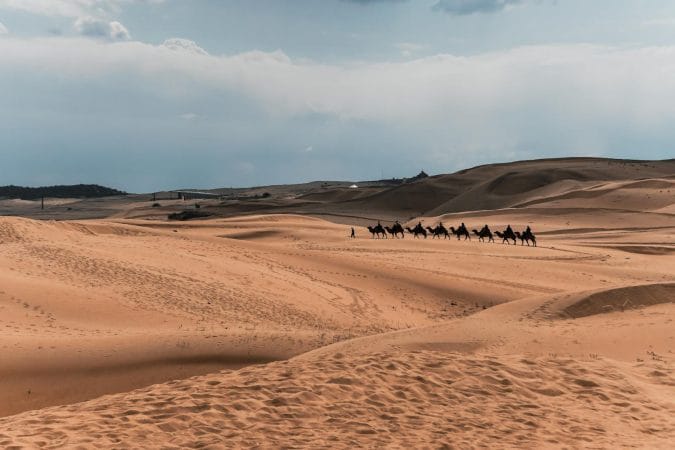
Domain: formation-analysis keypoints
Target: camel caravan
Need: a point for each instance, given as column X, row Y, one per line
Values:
column 440, row 231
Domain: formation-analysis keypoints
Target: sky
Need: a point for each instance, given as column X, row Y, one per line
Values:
column 145, row 95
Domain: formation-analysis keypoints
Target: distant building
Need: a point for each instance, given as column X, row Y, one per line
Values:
column 419, row 176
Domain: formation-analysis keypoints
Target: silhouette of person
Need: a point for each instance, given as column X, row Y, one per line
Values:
column 508, row 229
column 528, row 231
column 353, row 233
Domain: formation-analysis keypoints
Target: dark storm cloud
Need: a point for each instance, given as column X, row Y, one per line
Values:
column 464, row 7
column 366, row 2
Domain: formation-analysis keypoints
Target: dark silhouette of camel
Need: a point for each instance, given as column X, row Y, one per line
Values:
column 526, row 236
column 529, row 234
column 461, row 231
column 394, row 231
column 439, row 231
column 484, row 234
column 419, row 229
column 377, row 230
column 398, row 228
column 507, row 235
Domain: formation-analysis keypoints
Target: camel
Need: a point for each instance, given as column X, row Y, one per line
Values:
column 507, row 235
column 377, row 230
column 396, row 229
column 526, row 236
column 419, row 229
column 532, row 237
column 484, row 234
column 439, row 231
column 461, row 231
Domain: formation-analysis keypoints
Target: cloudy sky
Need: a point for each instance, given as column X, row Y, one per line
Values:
column 145, row 95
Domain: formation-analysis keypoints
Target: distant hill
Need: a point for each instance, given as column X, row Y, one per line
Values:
column 510, row 185
column 554, row 183
column 71, row 191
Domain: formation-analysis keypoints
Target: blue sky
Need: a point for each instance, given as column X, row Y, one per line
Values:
column 149, row 94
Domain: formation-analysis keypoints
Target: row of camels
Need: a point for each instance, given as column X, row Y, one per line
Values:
column 508, row 235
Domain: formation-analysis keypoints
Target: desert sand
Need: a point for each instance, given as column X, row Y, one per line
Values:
column 277, row 330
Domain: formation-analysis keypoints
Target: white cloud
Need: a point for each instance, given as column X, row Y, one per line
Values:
column 89, row 26
column 577, row 95
column 188, row 116
column 3, row 29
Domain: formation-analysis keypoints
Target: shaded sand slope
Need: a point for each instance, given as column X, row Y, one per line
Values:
column 458, row 385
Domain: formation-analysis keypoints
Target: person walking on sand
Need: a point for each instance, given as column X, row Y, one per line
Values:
column 353, row 236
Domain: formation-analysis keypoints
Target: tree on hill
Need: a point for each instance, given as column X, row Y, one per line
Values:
column 70, row 191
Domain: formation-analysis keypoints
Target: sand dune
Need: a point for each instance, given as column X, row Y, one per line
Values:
column 280, row 331
column 357, row 394
column 621, row 299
